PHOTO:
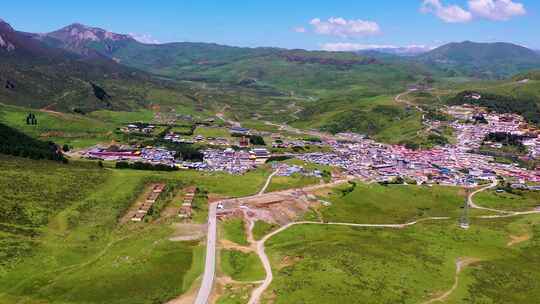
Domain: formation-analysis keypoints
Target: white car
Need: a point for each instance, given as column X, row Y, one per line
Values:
column 220, row 206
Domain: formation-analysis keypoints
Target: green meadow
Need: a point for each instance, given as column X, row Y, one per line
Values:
column 517, row 200
column 234, row 231
column 240, row 266
column 336, row 264
column 393, row 204
column 64, row 220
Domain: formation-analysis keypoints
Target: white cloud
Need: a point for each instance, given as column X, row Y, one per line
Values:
column 345, row 28
column 144, row 38
column 498, row 10
column 347, row 47
column 300, row 29
column 447, row 13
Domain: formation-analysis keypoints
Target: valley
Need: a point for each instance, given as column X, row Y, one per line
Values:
column 192, row 172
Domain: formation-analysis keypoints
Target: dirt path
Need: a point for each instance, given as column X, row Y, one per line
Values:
column 461, row 263
column 398, row 99
column 502, row 213
column 268, row 180
column 257, row 293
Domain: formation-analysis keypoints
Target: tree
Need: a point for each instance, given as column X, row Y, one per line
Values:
column 257, row 140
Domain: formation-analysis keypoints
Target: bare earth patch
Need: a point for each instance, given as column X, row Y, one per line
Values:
column 514, row 240
column 188, row 232
column 226, row 244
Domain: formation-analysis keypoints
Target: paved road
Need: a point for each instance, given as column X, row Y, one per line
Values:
column 210, row 264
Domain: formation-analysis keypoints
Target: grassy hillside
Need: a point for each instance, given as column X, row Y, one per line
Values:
column 73, row 238
column 63, row 220
column 405, row 204
column 14, row 142
column 482, row 60
column 378, row 117
column 329, row 264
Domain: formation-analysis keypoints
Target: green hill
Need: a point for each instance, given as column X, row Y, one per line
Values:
column 482, row 60
column 35, row 74
column 14, row 142
column 274, row 71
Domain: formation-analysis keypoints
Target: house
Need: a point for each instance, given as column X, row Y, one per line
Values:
column 260, row 153
column 239, row 131
column 138, row 217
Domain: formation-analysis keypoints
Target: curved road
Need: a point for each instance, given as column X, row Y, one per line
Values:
column 505, row 213
column 205, row 290
column 257, row 293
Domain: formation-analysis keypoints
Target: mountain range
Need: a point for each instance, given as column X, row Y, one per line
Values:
column 81, row 67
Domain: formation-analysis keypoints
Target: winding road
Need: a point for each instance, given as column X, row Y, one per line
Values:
column 205, row 290
column 257, row 293
column 505, row 213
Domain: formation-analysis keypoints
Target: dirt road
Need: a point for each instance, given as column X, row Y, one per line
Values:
column 257, row 293
column 503, row 213
column 460, row 265
column 268, row 180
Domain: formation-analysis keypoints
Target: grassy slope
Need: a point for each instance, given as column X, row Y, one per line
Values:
column 241, row 266
column 234, row 231
column 291, row 182
column 342, row 264
column 82, row 254
column 329, row 264
column 262, row 228
column 518, row 201
column 377, row 116
column 392, row 204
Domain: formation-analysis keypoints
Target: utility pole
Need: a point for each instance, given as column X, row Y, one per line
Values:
column 464, row 221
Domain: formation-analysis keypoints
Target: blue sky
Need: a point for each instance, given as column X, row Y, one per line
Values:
column 293, row 23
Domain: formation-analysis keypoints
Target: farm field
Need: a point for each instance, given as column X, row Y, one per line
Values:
column 329, row 264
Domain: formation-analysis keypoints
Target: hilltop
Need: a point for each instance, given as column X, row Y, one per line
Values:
column 482, row 60
column 34, row 74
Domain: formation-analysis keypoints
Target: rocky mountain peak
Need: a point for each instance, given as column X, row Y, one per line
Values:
column 6, row 31
column 78, row 33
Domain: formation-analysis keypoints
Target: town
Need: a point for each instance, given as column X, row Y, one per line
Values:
column 359, row 156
